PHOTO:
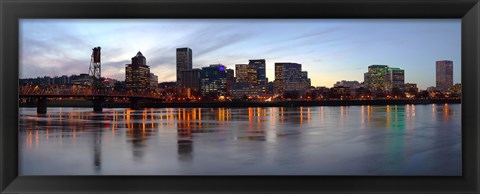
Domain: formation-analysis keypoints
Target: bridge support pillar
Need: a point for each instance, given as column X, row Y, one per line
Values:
column 41, row 105
column 134, row 104
column 98, row 104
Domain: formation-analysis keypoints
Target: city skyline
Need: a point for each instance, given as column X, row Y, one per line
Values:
column 315, row 45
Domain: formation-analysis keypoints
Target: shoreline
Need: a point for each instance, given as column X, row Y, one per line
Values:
column 244, row 104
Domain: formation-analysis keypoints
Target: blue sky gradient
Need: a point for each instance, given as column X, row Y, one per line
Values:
column 330, row 50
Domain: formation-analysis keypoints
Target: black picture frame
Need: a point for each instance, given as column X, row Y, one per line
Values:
column 12, row 10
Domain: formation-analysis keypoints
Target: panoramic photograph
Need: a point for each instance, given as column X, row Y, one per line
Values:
column 322, row 97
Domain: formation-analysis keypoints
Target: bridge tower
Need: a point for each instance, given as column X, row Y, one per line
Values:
column 95, row 68
column 97, row 84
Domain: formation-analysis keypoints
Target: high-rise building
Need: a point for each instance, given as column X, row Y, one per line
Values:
column 184, row 62
column 213, row 80
column 376, row 77
column 444, row 75
column 261, row 77
column 230, row 80
column 395, row 78
column 290, row 77
column 191, row 81
column 251, row 78
column 383, row 77
column 246, row 74
column 137, row 74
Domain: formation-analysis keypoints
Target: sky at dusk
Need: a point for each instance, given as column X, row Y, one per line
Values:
column 330, row 50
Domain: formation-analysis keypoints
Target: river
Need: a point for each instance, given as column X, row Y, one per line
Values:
column 322, row 140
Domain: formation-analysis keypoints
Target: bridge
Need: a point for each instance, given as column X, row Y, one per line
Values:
column 94, row 91
column 98, row 98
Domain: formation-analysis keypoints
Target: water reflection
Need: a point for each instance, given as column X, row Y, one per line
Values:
column 383, row 139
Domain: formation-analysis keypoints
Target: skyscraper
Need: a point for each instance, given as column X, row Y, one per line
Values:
column 261, row 77
column 184, row 62
column 290, row 77
column 213, row 80
column 191, row 81
column 444, row 75
column 395, row 78
column 137, row 74
column 376, row 77
column 246, row 74
column 384, row 78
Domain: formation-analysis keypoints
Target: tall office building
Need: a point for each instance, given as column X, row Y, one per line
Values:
column 246, row 74
column 395, row 78
column 261, row 78
column 213, row 80
column 444, row 75
column 230, row 80
column 184, row 62
column 376, row 77
column 191, row 81
column 290, row 77
column 137, row 74
column 384, row 78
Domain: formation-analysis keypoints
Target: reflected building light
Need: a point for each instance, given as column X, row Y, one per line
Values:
column 369, row 113
column 362, row 112
column 273, row 111
column 308, row 114
column 321, row 115
column 74, row 136
column 282, row 118
column 445, row 114
column 194, row 114
column 342, row 118
column 29, row 139
column 342, row 111
column 128, row 112
column 144, row 129
column 144, row 115
column 228, row 114
column 200, row 114
column 60, row 118
column 184, row 114
column 389, row 117
column 250, row 114
column 152, row 114
column 114, row 127
column 36, row 139
column 408, row 110
column 301, row 115
column 49, row 120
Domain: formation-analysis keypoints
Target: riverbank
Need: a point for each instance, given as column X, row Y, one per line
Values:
column 85, row 103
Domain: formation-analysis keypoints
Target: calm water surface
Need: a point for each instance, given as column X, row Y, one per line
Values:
column 349, row 140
